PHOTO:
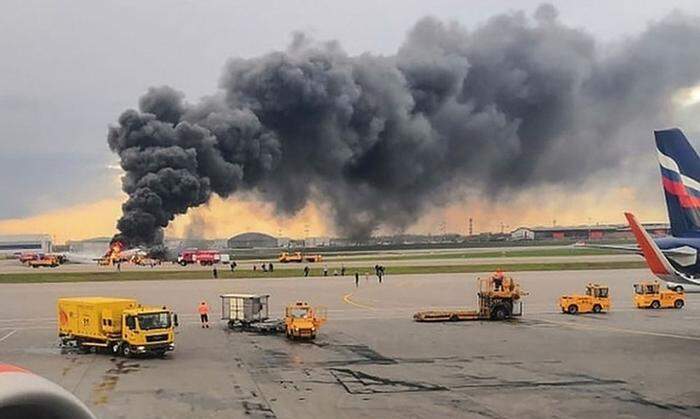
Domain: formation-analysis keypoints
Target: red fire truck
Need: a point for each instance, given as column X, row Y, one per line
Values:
column 203, row 257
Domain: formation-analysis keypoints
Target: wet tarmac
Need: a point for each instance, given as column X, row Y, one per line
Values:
column 371, row 360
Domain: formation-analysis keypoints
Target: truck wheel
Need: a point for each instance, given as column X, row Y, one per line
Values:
column 126, row 351
column 678, row 288
column 182, row 263
column 454, row 318
column 573, row 309
column 678, row 304
column 115, row 348
column 597, row 308
column 655, row 304
column 500, row 313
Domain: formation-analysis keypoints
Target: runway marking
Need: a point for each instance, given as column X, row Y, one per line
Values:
column 347, row 299
column 8, row 335
column 617, row 329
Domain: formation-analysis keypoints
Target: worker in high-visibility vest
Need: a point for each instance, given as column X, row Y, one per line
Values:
column 497, row 278
column 203, row 310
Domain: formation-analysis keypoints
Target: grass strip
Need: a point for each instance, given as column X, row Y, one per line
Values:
column 57, row 277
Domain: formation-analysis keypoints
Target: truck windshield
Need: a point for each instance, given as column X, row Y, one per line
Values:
column 299, row 313
column 154, row 321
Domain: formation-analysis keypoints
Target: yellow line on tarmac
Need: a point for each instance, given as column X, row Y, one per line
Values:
column 347, row 299
column 617, row 329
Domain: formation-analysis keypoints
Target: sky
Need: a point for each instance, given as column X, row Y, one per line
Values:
column 70, row 68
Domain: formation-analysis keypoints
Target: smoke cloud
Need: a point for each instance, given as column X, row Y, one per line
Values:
column 518, row 102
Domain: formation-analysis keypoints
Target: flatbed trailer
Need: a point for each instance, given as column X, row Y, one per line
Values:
column 500, row 303
column 446, row 315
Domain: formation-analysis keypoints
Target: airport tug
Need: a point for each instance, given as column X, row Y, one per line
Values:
column 648, row 294
column 596, row 300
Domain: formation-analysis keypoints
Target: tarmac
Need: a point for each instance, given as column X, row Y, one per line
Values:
column 371, row 360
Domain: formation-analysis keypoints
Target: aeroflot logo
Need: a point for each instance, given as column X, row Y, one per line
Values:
column 685, row 188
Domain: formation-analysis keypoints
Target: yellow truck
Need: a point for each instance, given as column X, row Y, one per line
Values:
column 118, row 325
column 648, row 294
column 303, row 321
column 596, row 299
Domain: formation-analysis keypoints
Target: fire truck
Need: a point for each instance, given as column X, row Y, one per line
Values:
column 203, row 257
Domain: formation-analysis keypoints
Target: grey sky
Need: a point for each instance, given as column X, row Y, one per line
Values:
column 69, row 68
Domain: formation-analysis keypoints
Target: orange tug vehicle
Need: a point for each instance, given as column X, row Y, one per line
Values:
column 596, row 300
column 648, row 294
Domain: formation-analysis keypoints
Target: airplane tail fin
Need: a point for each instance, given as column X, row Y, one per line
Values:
column 659, row 265
column 680, row 176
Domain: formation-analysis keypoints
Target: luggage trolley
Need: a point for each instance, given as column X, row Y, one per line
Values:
column 249, row 312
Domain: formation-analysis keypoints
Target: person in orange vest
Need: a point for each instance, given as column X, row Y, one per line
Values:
column 497, row 279
column 203, row 310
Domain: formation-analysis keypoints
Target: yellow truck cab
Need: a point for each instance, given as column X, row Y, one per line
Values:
column 303, row 321
column 596, row 299
column 648, row 294
column 119, row 325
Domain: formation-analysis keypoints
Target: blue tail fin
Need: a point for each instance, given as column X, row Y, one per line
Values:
column 680, row 175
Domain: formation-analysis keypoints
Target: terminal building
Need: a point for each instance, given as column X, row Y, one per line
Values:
column 10, row 244
column 593, row 232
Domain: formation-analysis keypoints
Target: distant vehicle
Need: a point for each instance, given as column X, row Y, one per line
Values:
column 27, row 256
column 203, row 257
column 682, row 287
column 673, row 259
column 298, row 257
column 596, row 300
column 48, row 261
column 649, row 294
column 295, row 257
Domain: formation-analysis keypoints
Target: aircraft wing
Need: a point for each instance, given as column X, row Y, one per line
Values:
column 81, row 258
column 684, row 256
column 621, row 248
column 656, row 260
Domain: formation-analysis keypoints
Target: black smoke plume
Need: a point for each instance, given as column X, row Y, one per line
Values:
column 518, row 102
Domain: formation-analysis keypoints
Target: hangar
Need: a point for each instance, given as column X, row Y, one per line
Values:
column 592, row 232
column 249, row 240
column 10, row 244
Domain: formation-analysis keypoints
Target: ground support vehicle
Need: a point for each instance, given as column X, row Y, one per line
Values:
column 648, row 294
column 295, row 257
column 298, row 257
column 203, row 257
column 46, row 261
column 118, row 325
column 303, row 321
column 494, row 303
column 596, row 300
column 249, row 312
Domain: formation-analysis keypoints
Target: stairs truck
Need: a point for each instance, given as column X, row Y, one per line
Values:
column 117, row 325
column 494, row 303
